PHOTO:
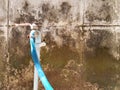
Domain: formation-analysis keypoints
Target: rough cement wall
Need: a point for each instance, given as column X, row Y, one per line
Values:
column 81, row 57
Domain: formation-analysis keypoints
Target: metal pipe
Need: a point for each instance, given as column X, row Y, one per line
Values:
column 81, row 25
column 37, row 45
column 7, row 44
column 35, row 58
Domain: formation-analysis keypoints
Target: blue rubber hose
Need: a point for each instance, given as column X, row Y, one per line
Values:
column 37, row 64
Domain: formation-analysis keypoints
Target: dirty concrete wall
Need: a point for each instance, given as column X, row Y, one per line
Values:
column 3, row 46
column 81, row 57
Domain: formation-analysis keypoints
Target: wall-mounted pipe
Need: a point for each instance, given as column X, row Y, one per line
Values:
column 80, row 25
column 35, row 58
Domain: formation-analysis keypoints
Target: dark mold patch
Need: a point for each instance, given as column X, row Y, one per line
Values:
column 49, row 13
column 45, row 8
column 17, row 55
column 65, row 7
column 25, row 18
column 53, row 15
column 26, row 5
column 103, row 12
column 1, row 32
column 97, row 37
column 26, row 14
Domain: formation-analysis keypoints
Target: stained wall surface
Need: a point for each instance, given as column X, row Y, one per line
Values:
column 83, row 44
